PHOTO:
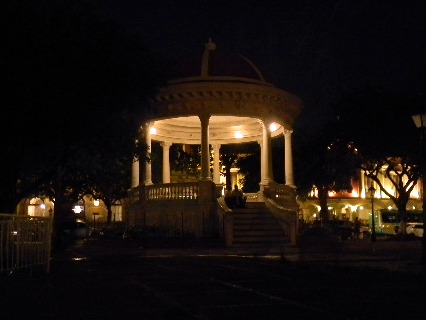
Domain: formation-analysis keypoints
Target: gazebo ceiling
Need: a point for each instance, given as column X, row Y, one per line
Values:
column 222, row 130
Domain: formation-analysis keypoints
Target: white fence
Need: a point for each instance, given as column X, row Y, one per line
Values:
column 25, row 242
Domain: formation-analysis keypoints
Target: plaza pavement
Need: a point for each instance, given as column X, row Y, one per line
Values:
column 179, row 279
column 387, row 253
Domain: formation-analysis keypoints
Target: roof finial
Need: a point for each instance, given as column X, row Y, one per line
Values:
column 210, row 45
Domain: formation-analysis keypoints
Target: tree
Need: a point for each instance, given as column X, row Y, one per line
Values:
column 244, row 156
column 403, row 173
column 228, row 157
column 380, row 123
column 326, row 160
column 248, row 162
column 71, row 80
column 186, row 158
column 108, row 180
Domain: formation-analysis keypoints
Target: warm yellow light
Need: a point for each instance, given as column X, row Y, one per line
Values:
column 153, row 130
column 238, row 135
column 43, row 206
column 390, row 208
column 77, row 209
column 96, row 203
column 273, row 126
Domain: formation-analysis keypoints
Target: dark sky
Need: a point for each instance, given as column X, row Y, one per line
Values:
column 314, row 49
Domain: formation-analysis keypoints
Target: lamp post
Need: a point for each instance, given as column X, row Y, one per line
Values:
column 372, row 191
column 420, row 122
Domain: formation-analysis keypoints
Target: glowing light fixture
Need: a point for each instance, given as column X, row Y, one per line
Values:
column 77, row 209
column 273, row 126
column 96, row 203
column 153, row 130
column 238, row 135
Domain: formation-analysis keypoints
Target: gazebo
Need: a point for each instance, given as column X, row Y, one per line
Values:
column 213, row 100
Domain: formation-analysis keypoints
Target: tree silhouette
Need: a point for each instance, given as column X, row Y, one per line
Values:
column 326, row 160
column 380, row 122
column 75, row 86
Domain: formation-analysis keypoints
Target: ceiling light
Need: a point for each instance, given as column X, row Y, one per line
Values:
column 238, row 135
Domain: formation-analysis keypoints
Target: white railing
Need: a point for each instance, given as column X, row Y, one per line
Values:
column 172, row 191
column 281, row 192
column 204, row 191
column 25, row 242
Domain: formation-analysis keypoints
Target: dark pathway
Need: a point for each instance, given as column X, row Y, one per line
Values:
column 109, row 281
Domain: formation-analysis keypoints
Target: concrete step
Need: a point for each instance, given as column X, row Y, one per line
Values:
column 255, row 226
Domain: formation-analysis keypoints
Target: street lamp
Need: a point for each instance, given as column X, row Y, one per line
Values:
column 372, row 191
column 420, row 122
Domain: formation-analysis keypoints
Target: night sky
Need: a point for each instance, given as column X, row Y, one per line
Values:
column 314, row 49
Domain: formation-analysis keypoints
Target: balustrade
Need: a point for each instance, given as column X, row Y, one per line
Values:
column 175, row 191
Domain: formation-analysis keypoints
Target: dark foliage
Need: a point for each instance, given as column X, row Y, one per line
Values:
column 75, row 87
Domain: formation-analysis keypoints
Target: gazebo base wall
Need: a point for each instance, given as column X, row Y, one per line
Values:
column 177, row 218
column 174, row 209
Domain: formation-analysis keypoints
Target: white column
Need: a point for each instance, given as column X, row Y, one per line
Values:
column 266, row 156
column 288, row 158
column 147, row 164
column 135, row 173
column 205, row 148
column 166, row 161
column 216, row 168
column 262, row 171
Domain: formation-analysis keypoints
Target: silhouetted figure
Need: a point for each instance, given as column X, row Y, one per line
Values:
column 357, row 228
column 238, row 197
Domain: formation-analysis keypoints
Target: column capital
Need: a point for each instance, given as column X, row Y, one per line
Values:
column 288, row 132
column 165, row 144
column 204, row 117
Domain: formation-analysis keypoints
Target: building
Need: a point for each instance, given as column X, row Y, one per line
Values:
column 358, row 203
column 214, row 99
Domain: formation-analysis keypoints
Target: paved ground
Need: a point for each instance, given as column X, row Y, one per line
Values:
column 355, row 279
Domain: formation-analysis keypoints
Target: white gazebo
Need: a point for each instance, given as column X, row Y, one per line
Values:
column 214, row 100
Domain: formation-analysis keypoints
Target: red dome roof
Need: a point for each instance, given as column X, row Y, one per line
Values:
column 213, row 63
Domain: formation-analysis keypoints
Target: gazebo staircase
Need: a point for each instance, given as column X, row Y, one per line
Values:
column 256, row 227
